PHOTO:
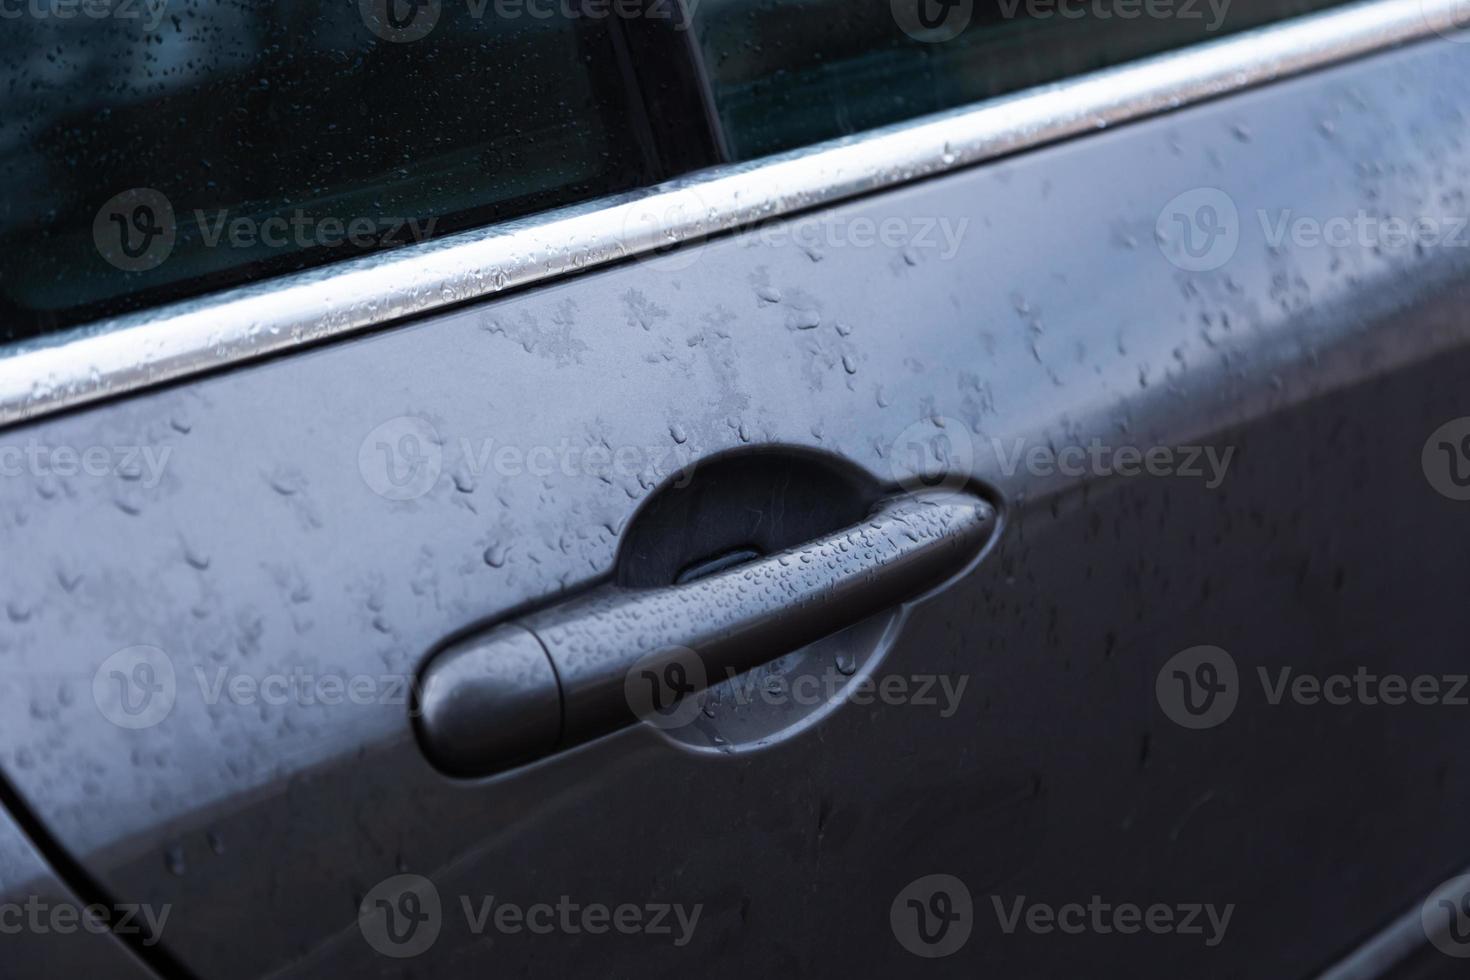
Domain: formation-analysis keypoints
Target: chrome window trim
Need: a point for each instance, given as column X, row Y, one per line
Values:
column 131, row 352
column 1403, row 939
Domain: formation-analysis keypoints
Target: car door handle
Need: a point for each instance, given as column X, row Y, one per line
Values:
column 556, row 678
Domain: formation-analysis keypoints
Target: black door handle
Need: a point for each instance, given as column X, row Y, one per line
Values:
column 555, row 678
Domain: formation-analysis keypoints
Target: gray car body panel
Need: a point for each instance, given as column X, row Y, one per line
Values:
column 263, row 549
column 47, row 930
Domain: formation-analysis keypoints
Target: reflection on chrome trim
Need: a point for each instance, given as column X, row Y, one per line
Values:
column 1423, row 930
column 142, row 349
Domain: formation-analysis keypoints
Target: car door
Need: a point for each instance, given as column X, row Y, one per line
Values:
column 858, row 518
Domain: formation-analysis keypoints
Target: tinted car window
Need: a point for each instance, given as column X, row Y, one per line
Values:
column 163, row 149
column 156, row 149
column 791, row 72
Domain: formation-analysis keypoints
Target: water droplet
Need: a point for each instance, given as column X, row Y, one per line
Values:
column 196, row 558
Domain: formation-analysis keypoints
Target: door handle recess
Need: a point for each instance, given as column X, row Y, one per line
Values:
column 553, row 679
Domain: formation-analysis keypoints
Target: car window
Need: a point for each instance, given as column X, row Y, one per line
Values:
column 786, row 73
column 156, row 149
column 196, row 145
